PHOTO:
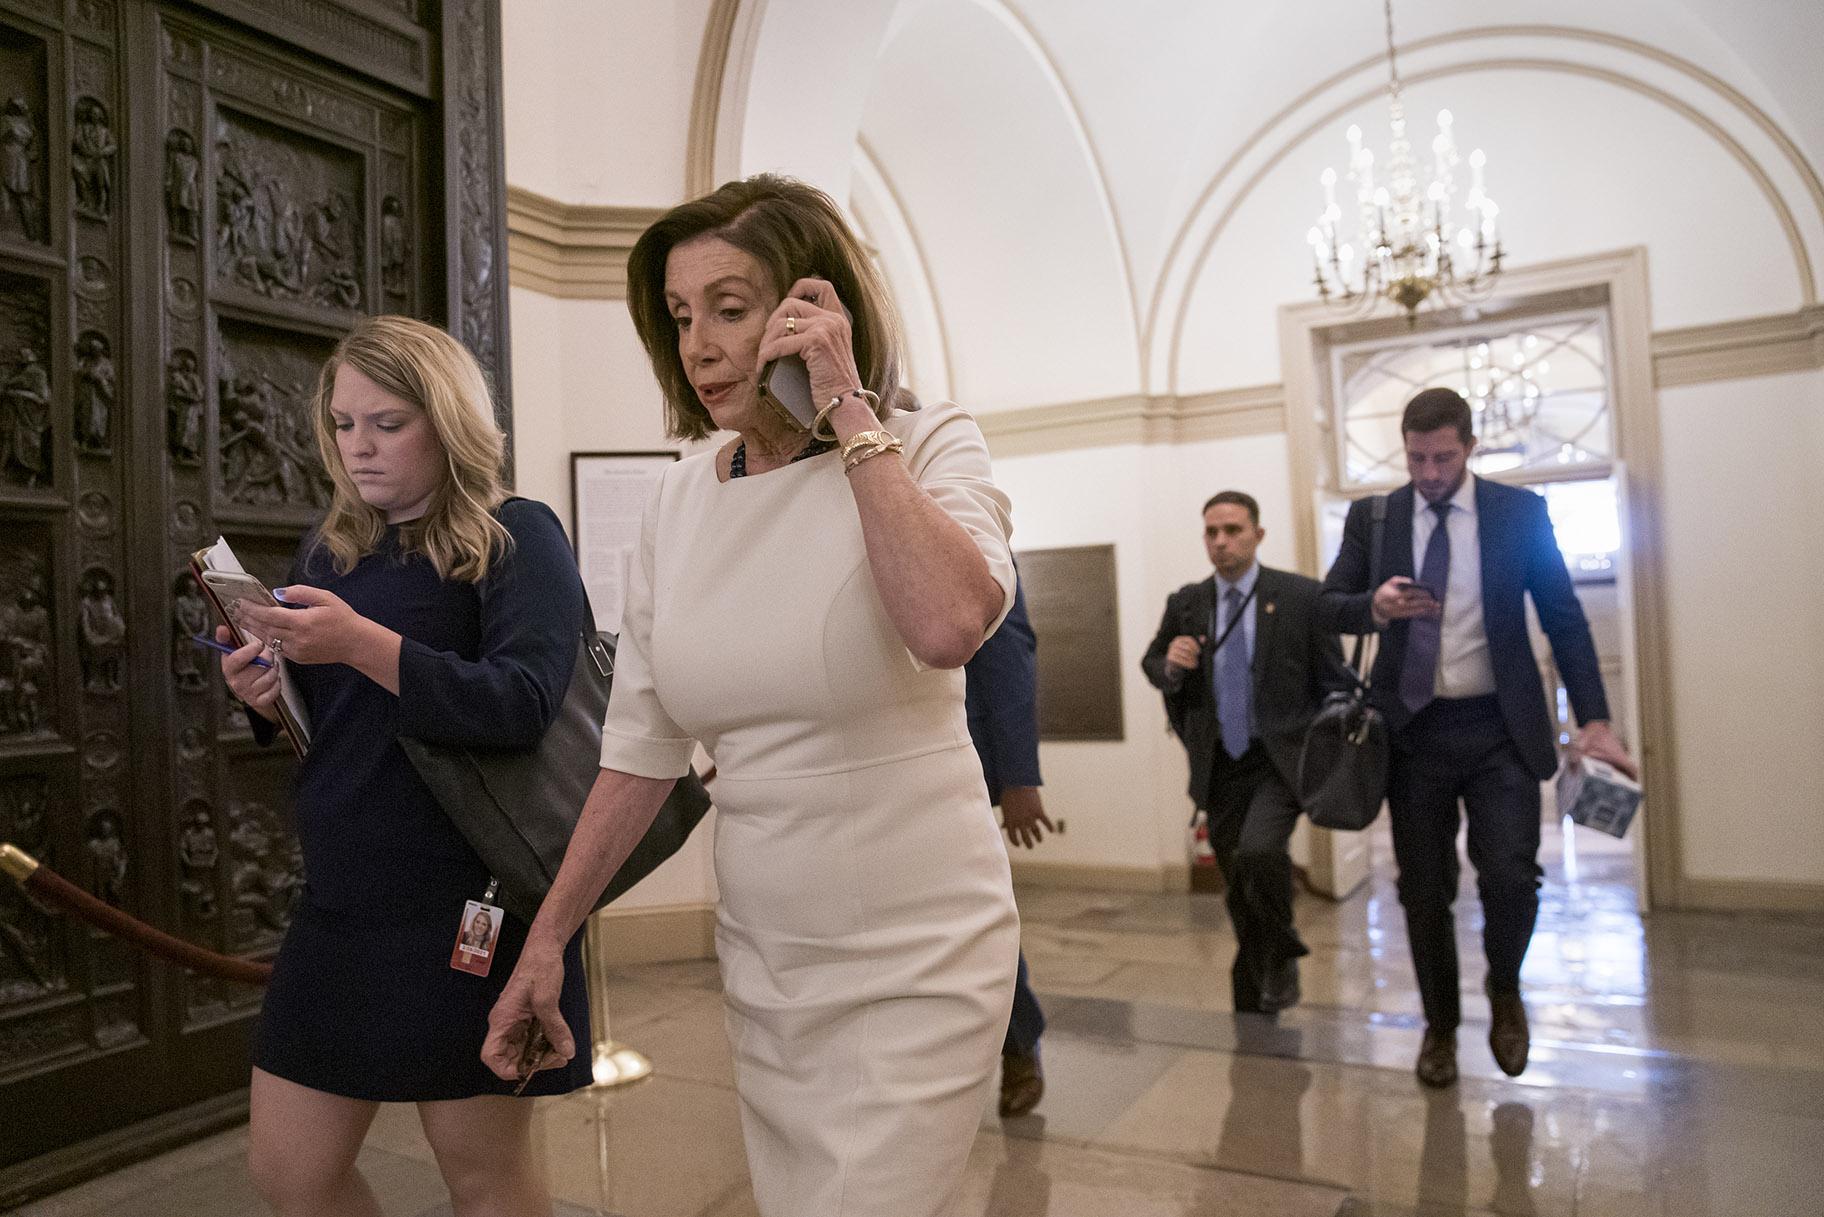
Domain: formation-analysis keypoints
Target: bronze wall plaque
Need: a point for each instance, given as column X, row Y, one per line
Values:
column 1070, row 596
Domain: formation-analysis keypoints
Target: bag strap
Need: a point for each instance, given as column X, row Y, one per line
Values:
column 1377, row 529
column 1240, row 609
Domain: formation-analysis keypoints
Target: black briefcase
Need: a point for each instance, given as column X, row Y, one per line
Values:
column 518, row 808
column 1342, row 767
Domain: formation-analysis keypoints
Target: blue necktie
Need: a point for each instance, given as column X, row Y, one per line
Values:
column 1234, row 683
column 1425, row 636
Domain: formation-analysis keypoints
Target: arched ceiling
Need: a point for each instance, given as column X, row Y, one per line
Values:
column 1064, row 164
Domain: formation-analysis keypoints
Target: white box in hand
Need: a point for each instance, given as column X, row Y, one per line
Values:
column 1597, row 795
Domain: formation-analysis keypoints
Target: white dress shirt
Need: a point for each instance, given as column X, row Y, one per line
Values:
column 1464, row 669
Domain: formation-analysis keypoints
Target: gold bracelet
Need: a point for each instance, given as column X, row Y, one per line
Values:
column 868, row 396
column 866, row 445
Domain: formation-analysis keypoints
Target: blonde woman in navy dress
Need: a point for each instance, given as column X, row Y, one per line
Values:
column 431, row 606
column 804, row 610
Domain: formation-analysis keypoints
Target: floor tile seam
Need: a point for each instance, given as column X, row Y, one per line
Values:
column 583, row 1100
column 641, row 1020
column 671, row 1076
column 1191, row 1160
column 1566, row 1088
column 1390, row 1020
column 722, row 1198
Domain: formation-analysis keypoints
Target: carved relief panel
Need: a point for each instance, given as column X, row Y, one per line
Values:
column 267, row 448
column 24, row 163
column 289, row 218
column 27, row 456
column 191, row 212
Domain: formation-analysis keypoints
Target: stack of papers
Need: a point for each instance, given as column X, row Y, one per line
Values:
column 226, row 582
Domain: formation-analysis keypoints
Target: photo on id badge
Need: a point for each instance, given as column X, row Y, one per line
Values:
column 475, row 938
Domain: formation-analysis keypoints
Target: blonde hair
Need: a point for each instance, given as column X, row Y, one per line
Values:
column 428, row 368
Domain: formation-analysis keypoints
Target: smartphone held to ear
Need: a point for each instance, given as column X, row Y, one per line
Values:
column 785, row 385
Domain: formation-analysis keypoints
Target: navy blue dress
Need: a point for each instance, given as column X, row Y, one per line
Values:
column 363, row 1001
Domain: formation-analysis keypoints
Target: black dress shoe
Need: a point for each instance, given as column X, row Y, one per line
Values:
column 1281, row 992
column 1022, row 1083
column 1437, row 1065
column 1508, row 1037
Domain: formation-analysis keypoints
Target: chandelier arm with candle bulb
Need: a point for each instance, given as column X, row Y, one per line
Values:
column 1414, row 246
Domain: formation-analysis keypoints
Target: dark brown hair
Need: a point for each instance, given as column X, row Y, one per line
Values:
column 793, row 230
column 1236, row 498
column 1435, row 408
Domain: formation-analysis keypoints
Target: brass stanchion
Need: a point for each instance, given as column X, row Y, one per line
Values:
column 614, row 1064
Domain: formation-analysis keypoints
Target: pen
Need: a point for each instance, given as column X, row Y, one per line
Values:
column 203, row 640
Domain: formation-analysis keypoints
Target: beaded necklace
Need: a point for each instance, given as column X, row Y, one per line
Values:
column 737, row 464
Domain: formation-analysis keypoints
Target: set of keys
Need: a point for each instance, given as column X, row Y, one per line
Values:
column 531, row 1056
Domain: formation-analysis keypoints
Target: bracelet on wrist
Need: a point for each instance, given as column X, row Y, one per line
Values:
column 866, row 445
column 869, row 397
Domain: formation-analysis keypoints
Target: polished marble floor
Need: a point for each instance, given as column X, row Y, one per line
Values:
column 1677, row 1072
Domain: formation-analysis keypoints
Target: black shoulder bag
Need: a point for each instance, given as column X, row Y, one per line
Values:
column 1342, row 768
column 518, row 809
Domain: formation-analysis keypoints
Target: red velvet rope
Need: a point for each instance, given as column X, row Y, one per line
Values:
column 53, row 889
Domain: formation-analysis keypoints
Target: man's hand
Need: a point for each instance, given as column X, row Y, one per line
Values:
column 1400, row 599
column 1023, row 815
column 1184, row 653
column 1598, row 740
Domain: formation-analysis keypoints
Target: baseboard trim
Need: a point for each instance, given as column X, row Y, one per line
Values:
column 1751, row 896
column 73, row 1164
column 664, row 934
column 1097, row 877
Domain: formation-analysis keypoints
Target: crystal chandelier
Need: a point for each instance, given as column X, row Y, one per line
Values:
column 1414, row 246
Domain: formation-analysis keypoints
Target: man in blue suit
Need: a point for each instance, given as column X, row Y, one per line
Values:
column 1458, row 683
column 1001, row 693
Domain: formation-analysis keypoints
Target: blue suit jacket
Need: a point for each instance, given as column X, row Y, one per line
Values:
column 1002, row 696
column 1520, row 557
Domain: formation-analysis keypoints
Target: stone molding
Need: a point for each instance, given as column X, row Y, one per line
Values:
column 1738, row 350
column 575, row 251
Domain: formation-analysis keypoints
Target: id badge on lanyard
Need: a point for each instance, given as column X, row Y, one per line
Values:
column 478, row 934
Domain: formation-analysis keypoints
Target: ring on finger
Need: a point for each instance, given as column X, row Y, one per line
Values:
column 277, row 644
column 791, row 324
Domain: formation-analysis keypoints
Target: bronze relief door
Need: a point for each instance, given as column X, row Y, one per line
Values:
column 195, row 202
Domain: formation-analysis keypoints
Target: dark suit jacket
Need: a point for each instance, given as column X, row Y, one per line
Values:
column 1001, row 692
column 1296, row 662
column 1520, row 556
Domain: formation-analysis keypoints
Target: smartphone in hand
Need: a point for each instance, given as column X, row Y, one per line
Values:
column 785, row 385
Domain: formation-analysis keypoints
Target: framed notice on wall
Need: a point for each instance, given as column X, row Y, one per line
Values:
column 1070, row 597
column 608, row 493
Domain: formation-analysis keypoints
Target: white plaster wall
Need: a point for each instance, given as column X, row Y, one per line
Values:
column 1124, row 801
column 1022, row 254
column 1747, row 624
column 598, row 97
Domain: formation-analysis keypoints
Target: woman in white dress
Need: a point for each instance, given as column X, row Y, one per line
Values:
column 804, row 609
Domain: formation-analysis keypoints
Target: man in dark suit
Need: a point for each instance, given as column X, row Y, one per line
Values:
column 1244, row 666
column 1458, row 683
column 1001, row 695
